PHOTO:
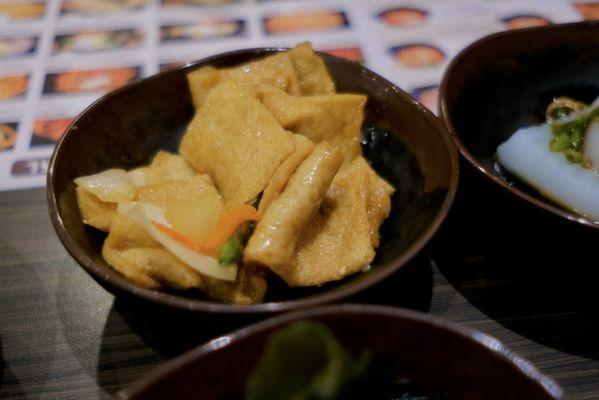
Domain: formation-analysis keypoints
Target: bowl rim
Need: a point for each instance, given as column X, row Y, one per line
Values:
column 454, row 65
column 201, row 305
column 492, row 346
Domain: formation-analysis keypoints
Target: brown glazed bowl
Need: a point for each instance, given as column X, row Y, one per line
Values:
column 127, row 127
column 436, row 354
column 505, row 81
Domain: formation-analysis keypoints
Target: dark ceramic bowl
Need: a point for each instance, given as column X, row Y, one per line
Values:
column 505, row 81
column 434, row 353
column 404, row 142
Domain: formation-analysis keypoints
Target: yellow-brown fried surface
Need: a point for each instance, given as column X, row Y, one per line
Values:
column 249, row 287
column 95, row 212
column 338, row 242
column 165, row 166
column 132, row 252
column 336, row 118
column 273, row 242
column 303, row 147
column 237, row 141
column 312, row 75
column 274, row 71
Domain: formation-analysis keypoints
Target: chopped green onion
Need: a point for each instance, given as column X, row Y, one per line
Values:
column 231, row 251
column 574, row 156
column 568, row 137
column 560, row 142
column 576, row 139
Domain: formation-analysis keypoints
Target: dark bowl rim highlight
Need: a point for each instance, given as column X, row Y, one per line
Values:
column 454, row 65
column 492, row 346
column 200, row 305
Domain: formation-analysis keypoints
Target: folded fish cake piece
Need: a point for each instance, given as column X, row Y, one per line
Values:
column 135, row 254
column 303, row 147
column 159, row 265
column 274, row 240
column 249, row 287
column 162, row 193
column 95, row 212
column 338, row 240
column 312, row 74
column 378, row 201
column 237, row 141
column 336, row 118
column 288, row 110
column 165, row 166
column 273, row 71
column 298, row 71
column 130, row 265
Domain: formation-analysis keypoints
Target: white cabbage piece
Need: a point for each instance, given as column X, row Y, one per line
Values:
column 145, row 213
column 112, row 185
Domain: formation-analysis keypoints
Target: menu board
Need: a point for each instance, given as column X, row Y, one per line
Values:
column 57, row 57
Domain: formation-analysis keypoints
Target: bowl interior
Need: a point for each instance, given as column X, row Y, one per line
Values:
column 506, row 81
column 402, row 140
column 433, row 353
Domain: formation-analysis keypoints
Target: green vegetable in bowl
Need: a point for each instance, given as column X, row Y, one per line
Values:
column 231, row 251
column 570, row 121
column 301, row 361
column 304, row 361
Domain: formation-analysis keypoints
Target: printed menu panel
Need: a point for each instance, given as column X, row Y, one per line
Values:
column 57, row 57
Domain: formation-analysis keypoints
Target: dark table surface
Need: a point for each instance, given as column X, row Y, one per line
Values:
column 509, row 273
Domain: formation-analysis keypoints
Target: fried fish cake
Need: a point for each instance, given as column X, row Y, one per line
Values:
column 236, row 141
column 136, row 255
column 336, row 118
column 165, row 166
column 95, row 212
column 303, row 147
column 312, row 74
column 298, row 71
column 339, row 240
column 274, row 71
column 249, row 287
column 378, row 202
column 274, row 240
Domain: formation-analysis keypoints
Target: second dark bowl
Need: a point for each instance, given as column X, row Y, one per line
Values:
column 505, row 81
column 127, row 127
column 440, row 355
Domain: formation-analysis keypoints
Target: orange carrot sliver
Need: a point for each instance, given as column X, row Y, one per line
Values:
column 187, row 241
column 228, row 222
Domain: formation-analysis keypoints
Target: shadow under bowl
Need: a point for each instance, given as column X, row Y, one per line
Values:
column 403, row 141
column 434, row 353
column 505, row 81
